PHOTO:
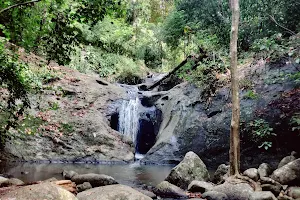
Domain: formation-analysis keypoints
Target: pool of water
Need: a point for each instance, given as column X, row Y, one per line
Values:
column 132, row 174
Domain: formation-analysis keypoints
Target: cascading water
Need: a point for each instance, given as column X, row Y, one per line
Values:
column 138, row 122
column 129, row 118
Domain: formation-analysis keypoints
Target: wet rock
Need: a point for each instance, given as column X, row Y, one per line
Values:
column 288, row 174
column 24, row 172
column 294, row 192
column 168, row 190
column 252, row 173
column 11, row 182
column 95, row 180
column 189, row 169
column 287, row 159
column 275, row 189
column 112, row 192
column 84, row 186
column 68, row 174
column 262, row 195
column 235, row 189
column 264, row 170
column 219, row 174
column 200, row 186
column 47, row 191
column 214, row 195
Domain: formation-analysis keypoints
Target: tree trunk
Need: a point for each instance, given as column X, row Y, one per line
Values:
column 235, row 120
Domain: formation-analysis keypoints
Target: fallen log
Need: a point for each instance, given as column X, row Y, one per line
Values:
column 202, row 55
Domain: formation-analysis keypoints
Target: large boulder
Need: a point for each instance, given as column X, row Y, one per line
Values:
column 189, row 169
column 95, row 180
column 112, row 192
column 214, row 195
column 41, row 191
column 287, row 159
column 262, row 195
column 68, row 174
column 221, row 172
column 235, row 189
column 200, row 186
column 168, row 190
column 288, row 174
column 2, row 179
column 252, row 173
column 11, row 182
column 264, row 170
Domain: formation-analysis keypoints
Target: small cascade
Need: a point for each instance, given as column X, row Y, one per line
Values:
column 129, row 118
column 137, row 121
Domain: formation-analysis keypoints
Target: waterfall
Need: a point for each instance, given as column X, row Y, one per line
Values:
column 129, row 118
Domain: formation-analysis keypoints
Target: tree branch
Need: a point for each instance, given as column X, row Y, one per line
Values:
column 288, row 30
column 18, row 4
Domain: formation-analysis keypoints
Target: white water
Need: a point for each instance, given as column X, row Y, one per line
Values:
column 129, row 118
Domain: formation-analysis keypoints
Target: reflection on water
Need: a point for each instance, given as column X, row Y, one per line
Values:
column 133, row 174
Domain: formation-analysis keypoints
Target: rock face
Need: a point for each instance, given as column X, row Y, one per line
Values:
column 72, row 113
column 190, row 123
column 288, row 174
column 47, row 191
column 252, row 173
column 112, row 192
column 95, row 180
column 200, row 186
column 294, row 192
column 189, row 169
column 168, row 190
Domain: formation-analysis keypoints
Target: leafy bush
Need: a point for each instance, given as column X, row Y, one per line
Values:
column 251, row 94
column 261, row 133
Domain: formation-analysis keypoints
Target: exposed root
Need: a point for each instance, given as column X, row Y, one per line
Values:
column 236, row 179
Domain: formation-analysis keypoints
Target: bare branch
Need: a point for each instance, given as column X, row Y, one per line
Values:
column 288, row 30
column 19, row 4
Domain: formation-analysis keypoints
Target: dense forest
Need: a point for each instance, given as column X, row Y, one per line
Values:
column 72, row 58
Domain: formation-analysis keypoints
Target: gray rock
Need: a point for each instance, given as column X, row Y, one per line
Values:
column 200, row 186
column 252, row 173
column 219, row 174
column 168, row 190
column 147, row 193
column 112, row 192
column 189, row 169
column 2, row 179
column 11, row 182
column 84, row 186
column 235, row 189
column 288, row 174
column 275, row 189
column 294, row 192
column 287, row 159
column 47, row 191
column 95, row 180
column 264, row 170
column 214, row 195
column 68, row 174
column 262, row 195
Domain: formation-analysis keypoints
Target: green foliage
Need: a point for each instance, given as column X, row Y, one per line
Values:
column 251, row 94
column 295, row 122
column 261, row 133
column 67, row 128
